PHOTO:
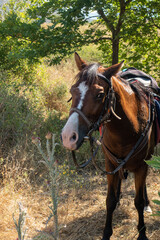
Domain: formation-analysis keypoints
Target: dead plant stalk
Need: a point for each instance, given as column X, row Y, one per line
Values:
column 51, row 164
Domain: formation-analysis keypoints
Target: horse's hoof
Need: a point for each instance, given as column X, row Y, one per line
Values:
column 147, row 209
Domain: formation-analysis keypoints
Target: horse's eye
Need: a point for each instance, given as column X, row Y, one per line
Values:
column 100, row 96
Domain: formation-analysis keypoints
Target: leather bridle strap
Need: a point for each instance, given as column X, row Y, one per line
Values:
column 140, row 144
column 100, row 118
column 82, row 115
column 105, row 79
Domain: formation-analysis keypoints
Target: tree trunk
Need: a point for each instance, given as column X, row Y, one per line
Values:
column 115, row 50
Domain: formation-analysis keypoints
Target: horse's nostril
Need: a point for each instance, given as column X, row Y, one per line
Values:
column 74, row 137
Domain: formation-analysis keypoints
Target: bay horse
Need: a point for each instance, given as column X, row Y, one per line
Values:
column 125, row 113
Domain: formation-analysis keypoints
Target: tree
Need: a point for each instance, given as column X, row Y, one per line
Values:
column 127, row 24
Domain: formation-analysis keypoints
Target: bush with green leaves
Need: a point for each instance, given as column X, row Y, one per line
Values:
column 25, row 111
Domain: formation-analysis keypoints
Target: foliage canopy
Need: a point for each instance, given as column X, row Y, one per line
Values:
column 124, row 29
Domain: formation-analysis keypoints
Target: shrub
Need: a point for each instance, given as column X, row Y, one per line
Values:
column 24, row 112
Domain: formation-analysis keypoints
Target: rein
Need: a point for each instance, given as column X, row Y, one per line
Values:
column 109, row 106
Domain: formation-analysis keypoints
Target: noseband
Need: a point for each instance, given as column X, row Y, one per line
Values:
column 82, row 115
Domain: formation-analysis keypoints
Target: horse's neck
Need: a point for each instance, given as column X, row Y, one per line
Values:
column 129, row 105
column 125, row 131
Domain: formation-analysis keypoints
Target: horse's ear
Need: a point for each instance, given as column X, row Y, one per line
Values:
column 113, row 70
column 80, row 63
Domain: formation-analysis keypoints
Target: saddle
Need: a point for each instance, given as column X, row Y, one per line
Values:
column 131, row 75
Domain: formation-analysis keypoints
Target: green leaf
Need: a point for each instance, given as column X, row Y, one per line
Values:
column 155, row 162
column 156, row 202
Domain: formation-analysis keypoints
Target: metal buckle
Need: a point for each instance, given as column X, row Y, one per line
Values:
column 119, row 160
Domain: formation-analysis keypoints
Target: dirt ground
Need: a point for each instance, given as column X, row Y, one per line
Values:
column 81, row 211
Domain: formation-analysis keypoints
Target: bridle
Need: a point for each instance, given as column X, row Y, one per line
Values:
column 105, row 116
column 108, row 106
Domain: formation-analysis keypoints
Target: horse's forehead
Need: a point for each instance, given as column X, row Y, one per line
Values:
column 83, row 88
column 78, row 92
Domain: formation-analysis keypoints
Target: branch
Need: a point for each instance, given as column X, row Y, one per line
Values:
column 109, row 24
column 107, row 21
column 123, row 6
column 154, row 24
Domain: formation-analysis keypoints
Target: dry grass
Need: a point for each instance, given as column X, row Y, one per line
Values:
column 81, row 211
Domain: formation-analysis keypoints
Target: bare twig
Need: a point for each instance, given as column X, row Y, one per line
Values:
column 20, row 223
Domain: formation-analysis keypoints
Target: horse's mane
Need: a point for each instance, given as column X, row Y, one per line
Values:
column 140, row 90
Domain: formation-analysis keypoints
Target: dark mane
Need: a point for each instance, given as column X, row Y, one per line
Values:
column 88, row 74
column 140, row 90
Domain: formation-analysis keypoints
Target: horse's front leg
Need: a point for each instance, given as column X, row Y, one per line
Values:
column 111, row 202
column 140, row 179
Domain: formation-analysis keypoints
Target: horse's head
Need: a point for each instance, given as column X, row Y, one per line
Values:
column 88, row 99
